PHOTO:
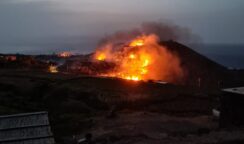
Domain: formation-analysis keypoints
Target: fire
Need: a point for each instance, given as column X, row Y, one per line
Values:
column 132, row 56
column 134, row 65
column 140, row 59
column 53, row 69
column 101, row 57
column 137, row 42
column 64, row 54
column 134, row 78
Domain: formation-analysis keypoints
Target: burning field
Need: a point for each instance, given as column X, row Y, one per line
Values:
column 141, row 58
column 148, row 53
column 117, row 93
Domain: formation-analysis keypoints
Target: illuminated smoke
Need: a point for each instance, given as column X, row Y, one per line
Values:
column 141, row 58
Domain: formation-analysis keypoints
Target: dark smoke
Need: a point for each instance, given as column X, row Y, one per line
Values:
column 165, row 32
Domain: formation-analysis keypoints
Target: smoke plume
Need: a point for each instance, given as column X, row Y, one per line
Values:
column 164, row 31
column 137, row 54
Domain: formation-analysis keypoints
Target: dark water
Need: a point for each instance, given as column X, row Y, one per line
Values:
column 231, row 56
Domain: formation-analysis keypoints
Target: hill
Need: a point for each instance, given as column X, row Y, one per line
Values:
column 198, row 69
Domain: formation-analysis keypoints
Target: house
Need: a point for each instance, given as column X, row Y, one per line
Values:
column 232, row 107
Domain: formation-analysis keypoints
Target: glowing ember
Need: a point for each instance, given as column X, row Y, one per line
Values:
column 141, row 59
column 101, row 57
column 64, row 54
column 132, row 56
column 135, row 78
column 137, row 42
column 53, row 69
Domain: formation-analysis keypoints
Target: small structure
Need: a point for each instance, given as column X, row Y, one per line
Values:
column 26, row 128
column 10, row 58
column 232, row 107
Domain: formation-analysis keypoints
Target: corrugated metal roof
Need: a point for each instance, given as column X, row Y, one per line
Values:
column 26, row 128
column 237, row 90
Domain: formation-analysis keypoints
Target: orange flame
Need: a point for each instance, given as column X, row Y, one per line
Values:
column 53, row 69
column 101, row 56
column 64, row 54
column 137, row 42
column 142, row 59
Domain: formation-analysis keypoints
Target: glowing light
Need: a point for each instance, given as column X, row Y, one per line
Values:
column 142, row 59
column 145, row 63
column 64, row 54
column 134, row 78
column 137, row 42
column 144, row 71
column 132, row 56
column 53, row 69
column 101, row 57
column 133, row 64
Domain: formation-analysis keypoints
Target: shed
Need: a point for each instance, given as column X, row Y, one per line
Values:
column 232, row 107
column 26, row 128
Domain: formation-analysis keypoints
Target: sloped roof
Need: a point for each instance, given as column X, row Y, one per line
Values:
column 26, row 128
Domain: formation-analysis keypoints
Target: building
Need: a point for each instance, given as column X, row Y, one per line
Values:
column 232, row 107
column 26, row 128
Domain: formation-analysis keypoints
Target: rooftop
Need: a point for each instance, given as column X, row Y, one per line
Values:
column 26, row 128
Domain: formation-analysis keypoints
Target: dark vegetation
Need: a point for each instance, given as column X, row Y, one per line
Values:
column 22, row 62
column 72, row 101
column 75, row 102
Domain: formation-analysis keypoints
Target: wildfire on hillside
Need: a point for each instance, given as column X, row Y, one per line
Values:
column 140, row 59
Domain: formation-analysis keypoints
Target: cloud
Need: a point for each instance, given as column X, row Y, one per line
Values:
column 32, row 20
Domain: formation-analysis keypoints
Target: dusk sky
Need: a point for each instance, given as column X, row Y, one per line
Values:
column 44, row 25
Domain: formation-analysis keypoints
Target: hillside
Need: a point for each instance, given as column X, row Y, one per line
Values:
column 198, row 69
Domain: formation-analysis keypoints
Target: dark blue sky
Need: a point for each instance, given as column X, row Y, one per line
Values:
column 33, row 26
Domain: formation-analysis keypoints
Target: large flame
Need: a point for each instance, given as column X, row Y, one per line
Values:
column 141, row 59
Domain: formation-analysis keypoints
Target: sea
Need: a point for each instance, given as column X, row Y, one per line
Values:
column 228, row 55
